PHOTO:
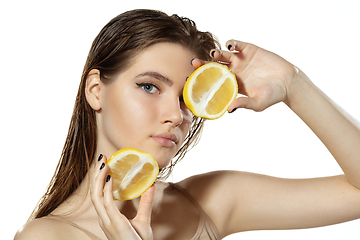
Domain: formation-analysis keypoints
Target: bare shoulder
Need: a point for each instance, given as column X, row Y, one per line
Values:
column 208, row 184
column 216, row 192
column 43, row 228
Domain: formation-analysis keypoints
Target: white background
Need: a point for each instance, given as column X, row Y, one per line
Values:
column 43, row 49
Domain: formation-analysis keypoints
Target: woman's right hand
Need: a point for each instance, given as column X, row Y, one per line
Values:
column 114, row 224
column 263, row 77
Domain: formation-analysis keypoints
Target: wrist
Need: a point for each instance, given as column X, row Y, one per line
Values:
column 298, row 91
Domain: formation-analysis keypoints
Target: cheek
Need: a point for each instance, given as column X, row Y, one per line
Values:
column 187, row 116
column 187, row 121
column 130, row 112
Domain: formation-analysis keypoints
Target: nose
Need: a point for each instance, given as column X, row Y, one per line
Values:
column 172, row 112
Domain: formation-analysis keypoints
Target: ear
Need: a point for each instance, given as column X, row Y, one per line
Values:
column 92, row 89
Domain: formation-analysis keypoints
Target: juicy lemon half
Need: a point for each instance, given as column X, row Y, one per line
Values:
column 209, row 90
column 133, row 172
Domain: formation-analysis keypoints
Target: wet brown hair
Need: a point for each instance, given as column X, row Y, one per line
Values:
column 113, row 51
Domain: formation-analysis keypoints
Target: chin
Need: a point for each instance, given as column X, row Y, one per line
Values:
column 163, row 159
column 162, row 164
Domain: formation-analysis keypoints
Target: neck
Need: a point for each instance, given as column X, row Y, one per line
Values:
column 79, row 204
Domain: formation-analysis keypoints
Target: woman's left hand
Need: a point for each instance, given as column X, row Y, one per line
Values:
column 114, row 224
column 263, row 77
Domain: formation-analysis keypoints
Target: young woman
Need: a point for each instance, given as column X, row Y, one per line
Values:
column 130, row 95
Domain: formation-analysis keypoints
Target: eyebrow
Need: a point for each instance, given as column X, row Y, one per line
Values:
column 157, row 76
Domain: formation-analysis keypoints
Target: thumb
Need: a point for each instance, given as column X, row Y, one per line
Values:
column 145, row 206
column 246, row 102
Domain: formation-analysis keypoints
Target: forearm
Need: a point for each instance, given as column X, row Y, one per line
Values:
column 337, row 131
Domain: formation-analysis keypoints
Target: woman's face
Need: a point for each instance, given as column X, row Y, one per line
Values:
column 143, row 108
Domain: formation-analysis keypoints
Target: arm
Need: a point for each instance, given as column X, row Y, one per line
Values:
column 334, row 128
column 254, row 202
column 240, row 201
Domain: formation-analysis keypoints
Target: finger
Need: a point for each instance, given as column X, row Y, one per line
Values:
column 196, row 62
column 97, row 188
column 97, row 183
column 235, row 45
column 145, row 206
column 225, row 56
column 221, row 56
column 108, row 195
column 112, row 212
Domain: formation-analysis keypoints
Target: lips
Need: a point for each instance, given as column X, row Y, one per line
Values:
column 166, row 139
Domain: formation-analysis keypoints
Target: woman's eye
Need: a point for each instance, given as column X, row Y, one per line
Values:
column 148, row 87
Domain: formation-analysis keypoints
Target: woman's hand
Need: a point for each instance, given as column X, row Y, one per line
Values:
column 114, row 224
column 263, row 77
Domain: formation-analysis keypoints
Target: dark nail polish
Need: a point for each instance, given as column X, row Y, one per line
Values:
column 191, row 61
column 186, row 78
column 229, row 47
column 102, row 166
column 108, row 178
column 100, row 157
column 212, row 53
column 233, row 110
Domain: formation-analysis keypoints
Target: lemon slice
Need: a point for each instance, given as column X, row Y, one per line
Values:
column 133, row 172
column 209, row 90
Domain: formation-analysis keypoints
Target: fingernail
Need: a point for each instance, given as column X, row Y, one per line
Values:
column 233, row 110
column 100, row 157
column 229, row 47
column 186, row 78
column 191, row 61
column 108, row 178
column 102, row 166
column 212, row 53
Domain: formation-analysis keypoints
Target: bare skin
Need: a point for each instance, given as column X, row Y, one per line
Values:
column 256, row 201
